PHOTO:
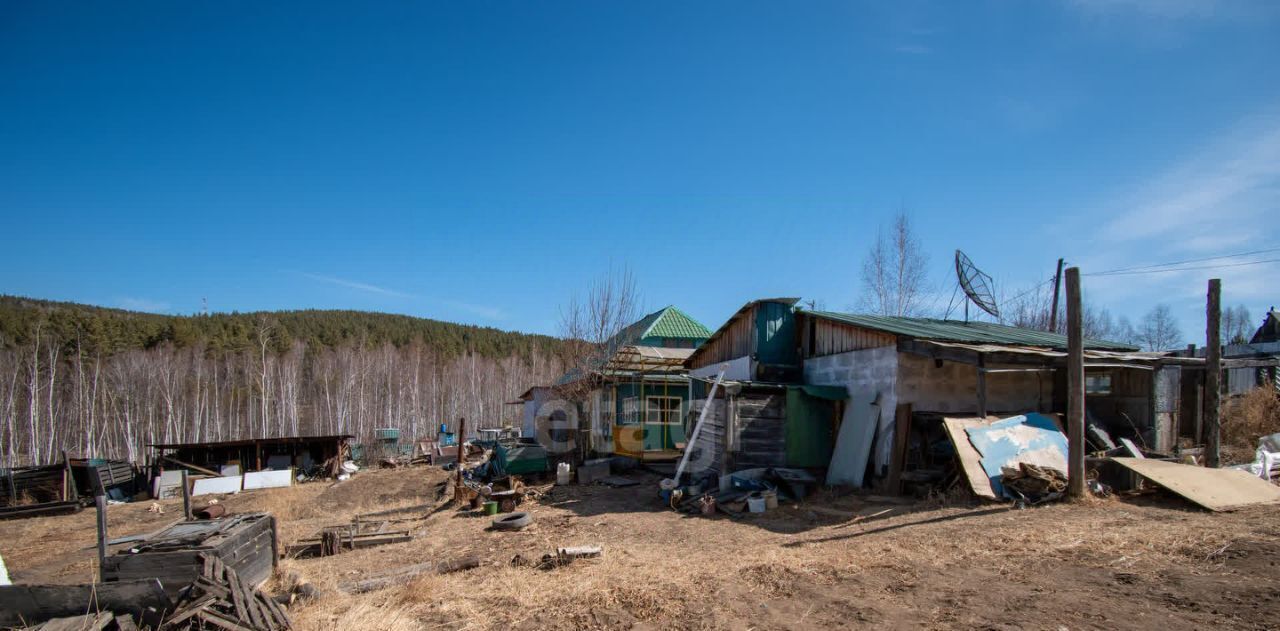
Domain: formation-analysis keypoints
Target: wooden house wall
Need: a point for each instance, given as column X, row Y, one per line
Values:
column 738, row 340
column 819, row 337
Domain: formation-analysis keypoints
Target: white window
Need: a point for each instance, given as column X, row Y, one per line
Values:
column 663, row 410
column 608, row 410
column 630, row 411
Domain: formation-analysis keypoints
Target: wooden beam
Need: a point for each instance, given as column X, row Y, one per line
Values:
column 1075, row 387
column 186, row 497
column 1213, row 373
column 191, row 466
column 982, row 387
column 101, row 502
column 901, row 432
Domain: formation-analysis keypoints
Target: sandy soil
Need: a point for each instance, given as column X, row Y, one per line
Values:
column 1143, row 563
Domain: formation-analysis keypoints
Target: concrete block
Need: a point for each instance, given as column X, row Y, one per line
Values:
column 592, row 470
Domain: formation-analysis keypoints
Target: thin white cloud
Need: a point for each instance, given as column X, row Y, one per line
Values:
column 143, row 304
column 1214, row 197
column 488, row 313
column 342, row 282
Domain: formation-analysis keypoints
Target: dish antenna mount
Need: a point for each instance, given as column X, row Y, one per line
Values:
column 977, row 285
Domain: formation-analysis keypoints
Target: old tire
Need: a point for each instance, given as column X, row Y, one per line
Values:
column 512, row 521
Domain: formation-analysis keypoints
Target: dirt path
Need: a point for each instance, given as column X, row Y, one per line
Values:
column 1109, row 564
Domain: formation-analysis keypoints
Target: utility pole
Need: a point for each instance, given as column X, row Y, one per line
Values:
column 1213, row 373
column 1075, row 387
column 1057, row 288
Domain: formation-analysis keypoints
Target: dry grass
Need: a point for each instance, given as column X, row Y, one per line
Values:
column 938, row 564
column 1247, row 418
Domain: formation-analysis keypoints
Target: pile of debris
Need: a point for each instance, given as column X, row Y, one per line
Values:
column 218, row 599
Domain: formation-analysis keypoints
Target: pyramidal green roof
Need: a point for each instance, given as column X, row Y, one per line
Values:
column 671, row 322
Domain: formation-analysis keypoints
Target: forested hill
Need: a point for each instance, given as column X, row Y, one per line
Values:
column 107, row 331
column 106, row 382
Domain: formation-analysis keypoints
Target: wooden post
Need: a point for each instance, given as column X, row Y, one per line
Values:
column 101, row 502
column 186, row 497
column 462, row 432
column 1075, row 387
column 68, row 480
column 982, row 387
column 1057, row 288
column 1213, row 374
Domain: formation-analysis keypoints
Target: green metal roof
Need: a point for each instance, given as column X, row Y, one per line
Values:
column 672, row 322
column 964, row 332
column 666, row 323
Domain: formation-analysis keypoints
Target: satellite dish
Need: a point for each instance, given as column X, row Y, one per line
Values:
column 977, row 285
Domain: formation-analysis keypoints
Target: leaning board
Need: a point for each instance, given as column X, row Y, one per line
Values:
column 970, row 459
column 1214, row 489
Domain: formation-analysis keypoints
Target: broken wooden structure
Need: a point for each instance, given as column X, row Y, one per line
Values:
column 39, row 491
column 338, row 539
column 245, row 543
column 220, row 599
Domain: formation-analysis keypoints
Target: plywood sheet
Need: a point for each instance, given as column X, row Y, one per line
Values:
column 970, row 459
column 1214, row 489
column 225, row 484
column 853, row 444
column 268, row 479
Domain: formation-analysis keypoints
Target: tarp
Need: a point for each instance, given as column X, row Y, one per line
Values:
column 1031, row 438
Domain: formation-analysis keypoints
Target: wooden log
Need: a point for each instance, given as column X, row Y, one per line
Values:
column 26, row 604
column 1213, row 374
column 1075, row 387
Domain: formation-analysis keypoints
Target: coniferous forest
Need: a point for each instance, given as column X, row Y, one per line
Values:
column 102, row 382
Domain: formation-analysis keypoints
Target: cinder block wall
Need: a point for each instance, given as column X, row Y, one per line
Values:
column 865, row 372
column 953, row 388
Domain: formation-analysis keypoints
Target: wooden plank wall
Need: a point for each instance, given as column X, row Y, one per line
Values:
column 761, row 430
column 736, row 341
column 33, row 485
column 819, row 336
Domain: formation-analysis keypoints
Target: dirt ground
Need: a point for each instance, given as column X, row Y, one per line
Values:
column 1151, row 562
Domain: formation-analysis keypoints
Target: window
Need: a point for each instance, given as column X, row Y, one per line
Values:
column 1098, row 383
column 663, row 410
column 630, row 411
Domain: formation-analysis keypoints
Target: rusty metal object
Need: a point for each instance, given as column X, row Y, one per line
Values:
column 212, row 511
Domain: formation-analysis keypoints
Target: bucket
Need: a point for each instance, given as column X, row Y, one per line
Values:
column 755, row 503
column 770, row 499
column 563, row 474
column 491, row 508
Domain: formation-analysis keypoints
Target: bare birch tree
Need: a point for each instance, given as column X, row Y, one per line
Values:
column 894, row 273
column 1160, row 330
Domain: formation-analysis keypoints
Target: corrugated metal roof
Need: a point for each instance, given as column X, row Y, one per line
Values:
column 960, row 331
column 672, row 322
column 668, row 322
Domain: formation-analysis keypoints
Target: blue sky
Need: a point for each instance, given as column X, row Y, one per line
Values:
column 481, row 161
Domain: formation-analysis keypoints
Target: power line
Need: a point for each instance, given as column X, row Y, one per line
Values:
column 1184, row 262
column 1184, row 269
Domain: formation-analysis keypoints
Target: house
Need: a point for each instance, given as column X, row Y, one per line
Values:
column 798, row 377
column 765, row 415
column 630, row 400
column 959, row 368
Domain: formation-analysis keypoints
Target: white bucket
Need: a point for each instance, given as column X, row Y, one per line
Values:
column 770, row 499
column 755, row 504
column 563, row 474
